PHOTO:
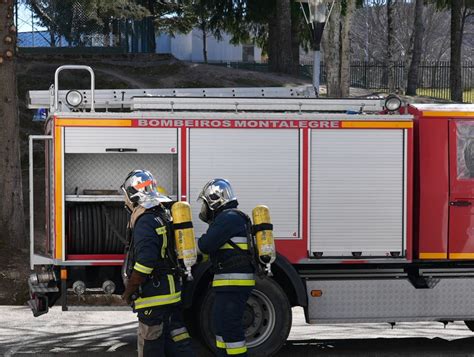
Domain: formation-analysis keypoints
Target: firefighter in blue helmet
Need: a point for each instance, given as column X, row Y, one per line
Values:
column 151, row 282
column 234, row 274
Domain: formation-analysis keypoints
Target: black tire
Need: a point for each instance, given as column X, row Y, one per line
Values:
column 470, row 325
column 267, row 318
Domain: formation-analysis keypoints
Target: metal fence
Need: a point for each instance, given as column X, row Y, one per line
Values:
column 433, row 77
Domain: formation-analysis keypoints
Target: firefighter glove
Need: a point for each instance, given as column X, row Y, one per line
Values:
column 132, row 286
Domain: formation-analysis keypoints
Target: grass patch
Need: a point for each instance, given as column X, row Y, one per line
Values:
column 445, row 93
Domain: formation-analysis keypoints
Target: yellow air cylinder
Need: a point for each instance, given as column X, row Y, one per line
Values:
column 184, row 235
column 264, row 235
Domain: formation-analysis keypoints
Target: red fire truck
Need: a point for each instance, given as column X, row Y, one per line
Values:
column 371, row 200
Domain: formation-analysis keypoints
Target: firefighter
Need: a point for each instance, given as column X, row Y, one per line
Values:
column 152, row 286
column 225, row 241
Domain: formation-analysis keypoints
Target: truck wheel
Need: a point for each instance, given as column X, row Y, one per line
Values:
column 267, row 319
column 470, row 325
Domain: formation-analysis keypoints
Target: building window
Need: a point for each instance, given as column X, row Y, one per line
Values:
column 465, row 150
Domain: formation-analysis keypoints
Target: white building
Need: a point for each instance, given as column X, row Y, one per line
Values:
column 189, row 47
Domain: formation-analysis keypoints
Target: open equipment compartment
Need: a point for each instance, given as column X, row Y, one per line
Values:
column 96, row 161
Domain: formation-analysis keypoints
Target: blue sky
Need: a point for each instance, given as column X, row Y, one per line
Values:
column 25, row 20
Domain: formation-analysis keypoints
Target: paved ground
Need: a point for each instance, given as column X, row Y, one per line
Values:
column 113, row 334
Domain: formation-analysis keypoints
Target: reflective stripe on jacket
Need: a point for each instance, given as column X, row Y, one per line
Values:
column 233, row 279
column 241, row 242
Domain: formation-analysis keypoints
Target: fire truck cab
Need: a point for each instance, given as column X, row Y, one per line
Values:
column 372, row 204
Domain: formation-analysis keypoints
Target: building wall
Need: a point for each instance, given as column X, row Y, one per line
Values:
column 188, row 47
column 216, row 50
column 163, row 44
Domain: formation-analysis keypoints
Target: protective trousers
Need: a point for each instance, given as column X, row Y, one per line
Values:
column 161, row 332
column 228, row 311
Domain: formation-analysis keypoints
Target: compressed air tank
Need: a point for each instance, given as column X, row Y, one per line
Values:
column 263, row 230
column 184, row 236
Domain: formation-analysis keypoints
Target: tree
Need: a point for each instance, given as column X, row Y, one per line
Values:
column 75, row 20
column 282, row 59
column 12, row 218
column 461, row 10
column 337, row 47
column 417, row 49
column 455, row 80
column 391, row 44
column 332, row 37
column 346, row 47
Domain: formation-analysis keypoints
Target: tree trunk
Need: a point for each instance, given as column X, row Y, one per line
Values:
column 273, row 58
column 295, row 45
column 331, row 52
column 52, row 39
column 151, row 36
column 106, row 33
column 204, row 42
column 390, row 45
column 12, row 218
column 283, row 20
column 418, row 31
column 456, row 43
column 346, row 48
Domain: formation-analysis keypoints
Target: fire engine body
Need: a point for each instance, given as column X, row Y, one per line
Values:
column 372, row 211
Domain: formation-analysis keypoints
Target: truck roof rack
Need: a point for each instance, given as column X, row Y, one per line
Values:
column 296, row 99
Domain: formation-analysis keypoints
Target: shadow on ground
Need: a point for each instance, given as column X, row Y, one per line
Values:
column 386, row 347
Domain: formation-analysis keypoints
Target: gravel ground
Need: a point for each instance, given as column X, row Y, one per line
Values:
column 113, row 333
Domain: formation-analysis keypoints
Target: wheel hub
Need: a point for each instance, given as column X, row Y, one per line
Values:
column 258, row 319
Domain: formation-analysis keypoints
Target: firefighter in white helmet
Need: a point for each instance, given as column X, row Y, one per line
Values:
column 152, row 286
column 234, row 274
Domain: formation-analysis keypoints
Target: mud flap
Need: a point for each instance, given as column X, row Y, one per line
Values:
column 38, row 304
column 40, row 295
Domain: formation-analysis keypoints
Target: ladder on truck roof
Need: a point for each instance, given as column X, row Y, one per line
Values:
column 257, row 104
column 287, row 99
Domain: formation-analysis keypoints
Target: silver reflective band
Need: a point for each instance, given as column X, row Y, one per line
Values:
column 219, row 338
column 234, row 276
column 239, row 240
column 178, row 331
column 235, row 344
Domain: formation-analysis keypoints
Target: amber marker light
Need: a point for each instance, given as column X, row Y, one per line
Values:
column 316, row 293
column 63, row 274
